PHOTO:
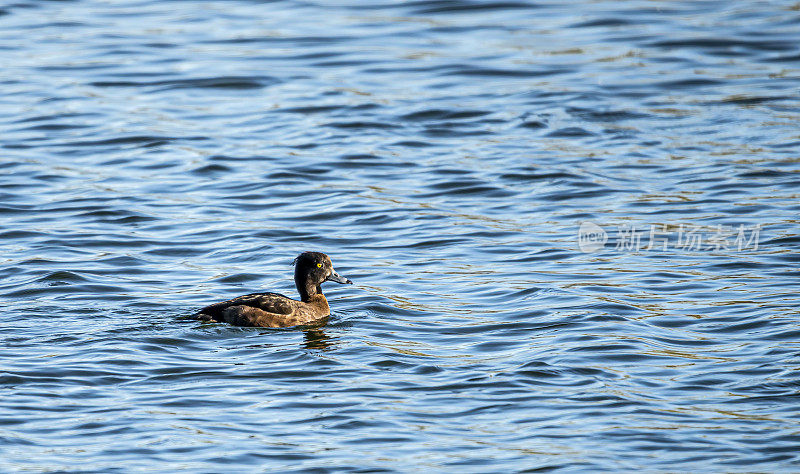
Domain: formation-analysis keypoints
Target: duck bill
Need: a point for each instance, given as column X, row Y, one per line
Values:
column 338, row 278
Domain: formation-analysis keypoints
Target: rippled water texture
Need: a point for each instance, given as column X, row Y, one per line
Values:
column 157, row 156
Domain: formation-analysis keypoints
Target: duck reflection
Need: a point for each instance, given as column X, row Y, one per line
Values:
column 317, row 339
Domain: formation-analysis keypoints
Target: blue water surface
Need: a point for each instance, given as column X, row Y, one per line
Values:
column 572, row 227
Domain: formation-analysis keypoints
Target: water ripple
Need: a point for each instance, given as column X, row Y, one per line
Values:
column 159, row 156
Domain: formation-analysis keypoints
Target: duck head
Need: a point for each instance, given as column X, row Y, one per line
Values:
column 311, row 269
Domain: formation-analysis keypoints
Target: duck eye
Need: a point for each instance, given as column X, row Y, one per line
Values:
column 319, row 265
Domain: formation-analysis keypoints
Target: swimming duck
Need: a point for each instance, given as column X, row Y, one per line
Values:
column 274, row 310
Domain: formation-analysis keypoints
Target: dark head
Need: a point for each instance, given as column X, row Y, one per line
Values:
column 311, row 269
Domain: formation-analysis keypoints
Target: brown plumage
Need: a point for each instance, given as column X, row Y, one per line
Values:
column 275, row 310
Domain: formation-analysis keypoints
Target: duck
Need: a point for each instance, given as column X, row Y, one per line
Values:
column 275, row 310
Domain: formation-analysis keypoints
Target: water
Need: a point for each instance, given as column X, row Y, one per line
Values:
column 158, row 156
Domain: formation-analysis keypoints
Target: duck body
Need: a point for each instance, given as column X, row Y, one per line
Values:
column 276, row 310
